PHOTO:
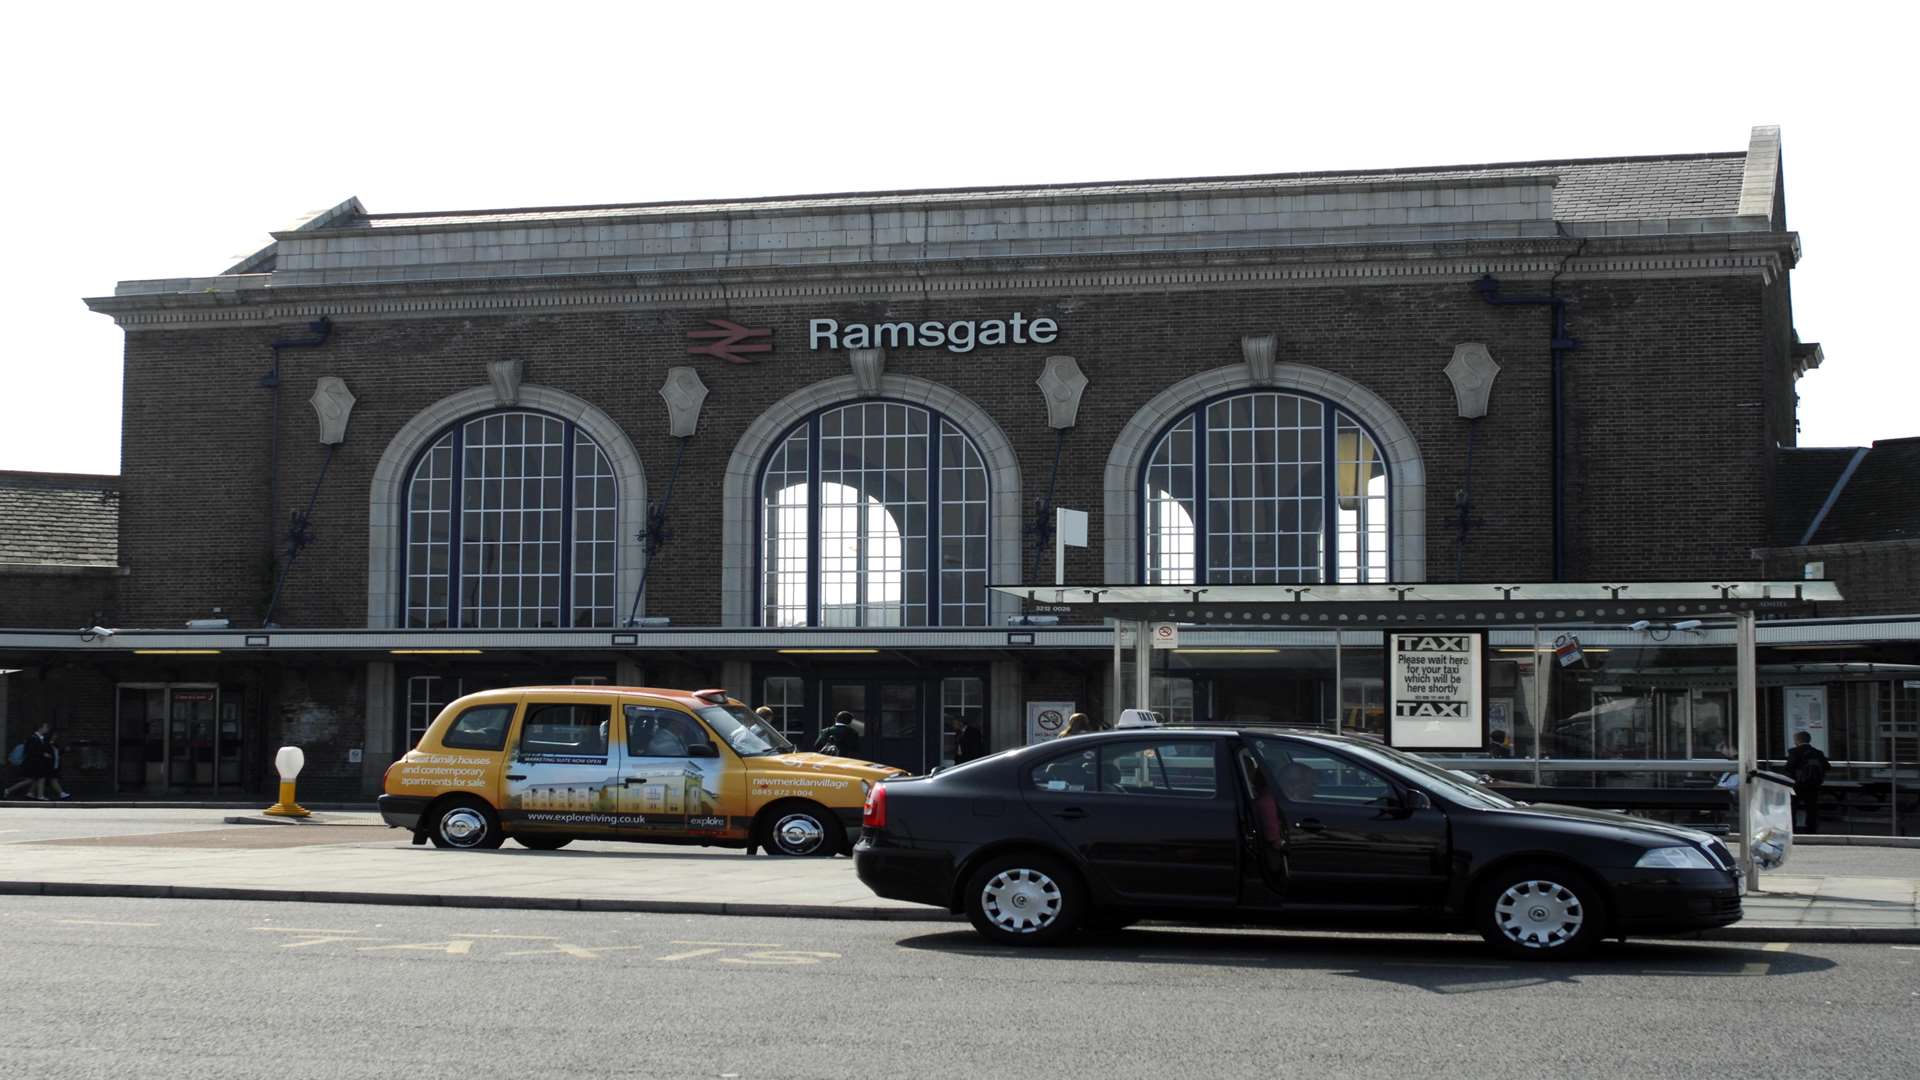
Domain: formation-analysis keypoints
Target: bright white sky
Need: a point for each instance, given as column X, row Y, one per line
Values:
column 168, row 140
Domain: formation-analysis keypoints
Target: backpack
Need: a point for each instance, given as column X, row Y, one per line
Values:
column 18, row 755
column 1811, row 772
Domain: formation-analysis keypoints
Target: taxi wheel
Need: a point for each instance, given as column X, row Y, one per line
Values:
column 801, row 829
column 543, row 843
column 466, row 824
column 1541, row 912
column 1024, row 898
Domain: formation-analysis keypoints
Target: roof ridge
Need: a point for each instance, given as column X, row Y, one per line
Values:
column 25, row 474
column 1336, row 174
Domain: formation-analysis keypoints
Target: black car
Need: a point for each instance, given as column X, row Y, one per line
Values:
column 1263, row 826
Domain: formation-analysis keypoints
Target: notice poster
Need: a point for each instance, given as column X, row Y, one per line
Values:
column 1436, row 690
column 1806, row 709
column 1045, row 719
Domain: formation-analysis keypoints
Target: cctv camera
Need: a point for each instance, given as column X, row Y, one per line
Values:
column 1638, row 624
column 98, row 631
column 1687, row 624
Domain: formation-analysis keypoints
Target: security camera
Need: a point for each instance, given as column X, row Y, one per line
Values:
column 1638, row 624
column 97, row 631
column 1687, row 624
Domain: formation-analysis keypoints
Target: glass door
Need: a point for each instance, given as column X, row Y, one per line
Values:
column 891, row 712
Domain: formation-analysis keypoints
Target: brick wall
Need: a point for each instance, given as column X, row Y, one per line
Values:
column 1667, row 434
column 1876, row 579
column 62, row 600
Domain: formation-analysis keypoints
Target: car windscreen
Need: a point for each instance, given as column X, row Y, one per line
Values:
column 745, row 732
column 1450, row 783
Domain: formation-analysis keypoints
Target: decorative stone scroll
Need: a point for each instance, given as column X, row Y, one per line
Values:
column 333, row 403
column 506, row 376
column 1258, row 351
column 1471, row 371
column 684, row 394
column 1062, row 383
column 868, row 365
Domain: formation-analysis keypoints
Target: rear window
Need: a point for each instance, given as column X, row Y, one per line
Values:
column 1144, row 767
column 565, row 734
column 483, row 727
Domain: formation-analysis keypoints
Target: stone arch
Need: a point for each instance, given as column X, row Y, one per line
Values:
column 740, row 491
column 387, row 526
column 1406, row 471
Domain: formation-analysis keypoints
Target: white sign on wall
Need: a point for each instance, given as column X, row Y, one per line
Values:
column 1806, row 709
column 1436, row 690
column 1164, row 635
column 1045, row 719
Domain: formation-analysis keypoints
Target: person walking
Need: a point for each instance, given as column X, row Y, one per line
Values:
column 968, row 743
column 36, row 762
column 839, row 738
column 1079, row 724
column 1808, row 767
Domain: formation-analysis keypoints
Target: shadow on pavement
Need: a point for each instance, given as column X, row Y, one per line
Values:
column 1441, row 965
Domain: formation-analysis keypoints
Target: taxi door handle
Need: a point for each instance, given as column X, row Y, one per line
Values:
column 516, row 776
column 1311, row 825
column 1071, row 813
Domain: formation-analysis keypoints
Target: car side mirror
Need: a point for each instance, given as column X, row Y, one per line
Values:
column 705, row 749
column 1415, row 799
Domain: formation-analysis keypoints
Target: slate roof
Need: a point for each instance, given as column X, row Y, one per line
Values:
column 61, row 518
column 1880, row 502
column 1588, row 189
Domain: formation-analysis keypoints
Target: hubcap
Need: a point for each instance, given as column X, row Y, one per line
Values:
column 1539, row 914
column 463, row 827
column 1021, row 901
column 799, row 834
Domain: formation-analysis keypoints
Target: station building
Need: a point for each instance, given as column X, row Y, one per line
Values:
column 785, row 445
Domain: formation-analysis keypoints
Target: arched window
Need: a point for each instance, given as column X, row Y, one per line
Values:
column 1264, row 487
column 873, row 514
column 518, row 508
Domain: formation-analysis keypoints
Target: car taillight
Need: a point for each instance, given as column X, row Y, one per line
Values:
column 874, row 814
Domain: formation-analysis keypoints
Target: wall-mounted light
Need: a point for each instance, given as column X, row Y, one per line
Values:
column 828, row 652
column 434, row 652
column 176, row 652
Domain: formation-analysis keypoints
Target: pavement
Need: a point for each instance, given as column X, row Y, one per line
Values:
column 1835, row 893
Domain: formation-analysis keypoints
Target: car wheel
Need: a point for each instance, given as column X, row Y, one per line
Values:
column 543, row 843
column 1542, row 912
column 801, row 830
column 466, row 824
column 1024, row 899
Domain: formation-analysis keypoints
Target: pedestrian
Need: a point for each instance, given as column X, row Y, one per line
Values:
column 53, row 775
column 1808, row 768
column 1078, row 724
column 968, row 742
column 36, row 764
column 839, row 738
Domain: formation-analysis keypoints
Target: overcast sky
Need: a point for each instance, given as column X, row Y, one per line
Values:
column 167, row 141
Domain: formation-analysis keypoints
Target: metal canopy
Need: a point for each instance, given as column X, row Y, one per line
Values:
column 1448, row 604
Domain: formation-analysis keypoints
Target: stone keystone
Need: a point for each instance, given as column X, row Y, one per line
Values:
column 1472, row 370
column 333, row 403
column 684, row 393
column 1062, row 383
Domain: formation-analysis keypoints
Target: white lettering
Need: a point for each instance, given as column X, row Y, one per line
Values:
column 933, row 334
column 893, row 335
column 856, row 336
column 1018, row 322
column 823, row 328
column 993, row 332
column 1043, row 331
column 960, row 337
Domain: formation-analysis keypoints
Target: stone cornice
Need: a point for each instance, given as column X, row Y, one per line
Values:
column 1760, row 254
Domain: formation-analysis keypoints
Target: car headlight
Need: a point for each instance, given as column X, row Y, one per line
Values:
column 1673, row 858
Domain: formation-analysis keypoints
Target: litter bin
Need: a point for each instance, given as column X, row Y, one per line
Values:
column 1770, row 821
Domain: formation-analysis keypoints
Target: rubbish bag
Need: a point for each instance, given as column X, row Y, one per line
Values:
column 1771, row 819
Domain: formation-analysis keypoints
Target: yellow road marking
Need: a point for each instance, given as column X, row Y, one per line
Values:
column 510, row 937
column 101, row 922
column 451, row 948
column 562, row 947
column 686, row 955
column 1776, row 946
column 732, row 944
column 772, row 957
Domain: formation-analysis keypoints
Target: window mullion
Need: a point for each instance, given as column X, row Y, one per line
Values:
column 1329, row 496
column 813, row 521
column 1202, row 511
column 566, row 523
column 935, row 559
column 456, row 522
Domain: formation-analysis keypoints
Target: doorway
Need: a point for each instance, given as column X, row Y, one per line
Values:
column 892, row 710
column 173, row 737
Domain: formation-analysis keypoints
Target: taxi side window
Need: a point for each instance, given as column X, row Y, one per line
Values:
column 1078, row 771
column 1305, row 774
column 655, row 732
column 565, row 734
column 483, row 727
column 1158, row 768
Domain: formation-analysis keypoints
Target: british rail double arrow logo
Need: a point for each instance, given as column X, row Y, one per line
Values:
column 728, row 341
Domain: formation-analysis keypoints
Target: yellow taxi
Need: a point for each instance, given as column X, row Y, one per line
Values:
column 547, row 765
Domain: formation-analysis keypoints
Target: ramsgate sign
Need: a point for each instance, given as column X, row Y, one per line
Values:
column 958, row 336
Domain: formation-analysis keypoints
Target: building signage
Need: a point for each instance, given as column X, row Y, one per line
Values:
column 1436, row 690
column 959, row 336
column 1806, row 710
column 1165, row 635
column 1046, row 718
column 729, row 341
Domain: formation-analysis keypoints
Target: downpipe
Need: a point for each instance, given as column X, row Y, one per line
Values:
column 1559, row 345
